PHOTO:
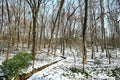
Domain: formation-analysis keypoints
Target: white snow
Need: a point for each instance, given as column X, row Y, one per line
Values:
column 60, row 71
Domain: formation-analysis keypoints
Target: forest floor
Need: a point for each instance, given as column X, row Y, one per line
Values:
column 71, row 67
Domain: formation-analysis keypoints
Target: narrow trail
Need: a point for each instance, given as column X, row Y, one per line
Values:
column 27, row 75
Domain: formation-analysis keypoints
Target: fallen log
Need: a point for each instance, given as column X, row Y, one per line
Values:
column 27, row 75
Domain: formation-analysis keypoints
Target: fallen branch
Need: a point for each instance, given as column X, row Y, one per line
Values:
column 27, row 75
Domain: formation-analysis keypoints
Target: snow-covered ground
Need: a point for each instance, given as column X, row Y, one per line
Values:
column 97, row 69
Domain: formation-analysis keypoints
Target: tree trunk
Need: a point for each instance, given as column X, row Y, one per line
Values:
column 102, row 24
column 35, row 5
column 84, row 34
column 54, row 25
column 29, row 38
column 34, row 38
column 9, row 38
column 2, row 16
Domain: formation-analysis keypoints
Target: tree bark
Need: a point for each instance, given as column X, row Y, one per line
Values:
column 9, row 37
column 84, row 34
column 102, row 25
column 54, row 25
column 34, row 5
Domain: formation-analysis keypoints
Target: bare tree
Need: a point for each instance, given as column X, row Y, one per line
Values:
column 102, row 24
column 54, row 25
column 84, row 34
column 35, row 6
column 2, row 16
column 10, row 36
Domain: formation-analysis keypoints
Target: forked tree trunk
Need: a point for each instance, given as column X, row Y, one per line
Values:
column 34, row 5
column 54, row 25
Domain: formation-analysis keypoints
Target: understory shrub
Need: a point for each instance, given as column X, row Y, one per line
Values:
column 75, row 70
column 13, row 66
column 97, row 61
column 116, row 73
